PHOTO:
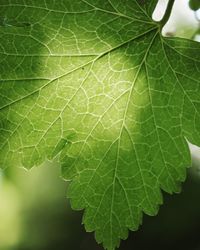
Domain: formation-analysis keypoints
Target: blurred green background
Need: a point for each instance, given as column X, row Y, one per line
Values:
column 35, row 214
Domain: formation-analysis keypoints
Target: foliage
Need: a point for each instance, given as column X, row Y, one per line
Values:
column 194, row 4
column 96, row 83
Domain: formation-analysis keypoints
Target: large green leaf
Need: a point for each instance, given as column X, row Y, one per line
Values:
column 95, row 82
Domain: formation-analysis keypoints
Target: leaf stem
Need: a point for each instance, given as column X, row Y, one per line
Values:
column 167, row 13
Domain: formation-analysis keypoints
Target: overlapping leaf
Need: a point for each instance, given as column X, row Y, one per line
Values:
column 95, row 82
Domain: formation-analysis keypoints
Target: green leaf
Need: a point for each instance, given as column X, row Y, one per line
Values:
column 194, row 4
column 95, row 82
